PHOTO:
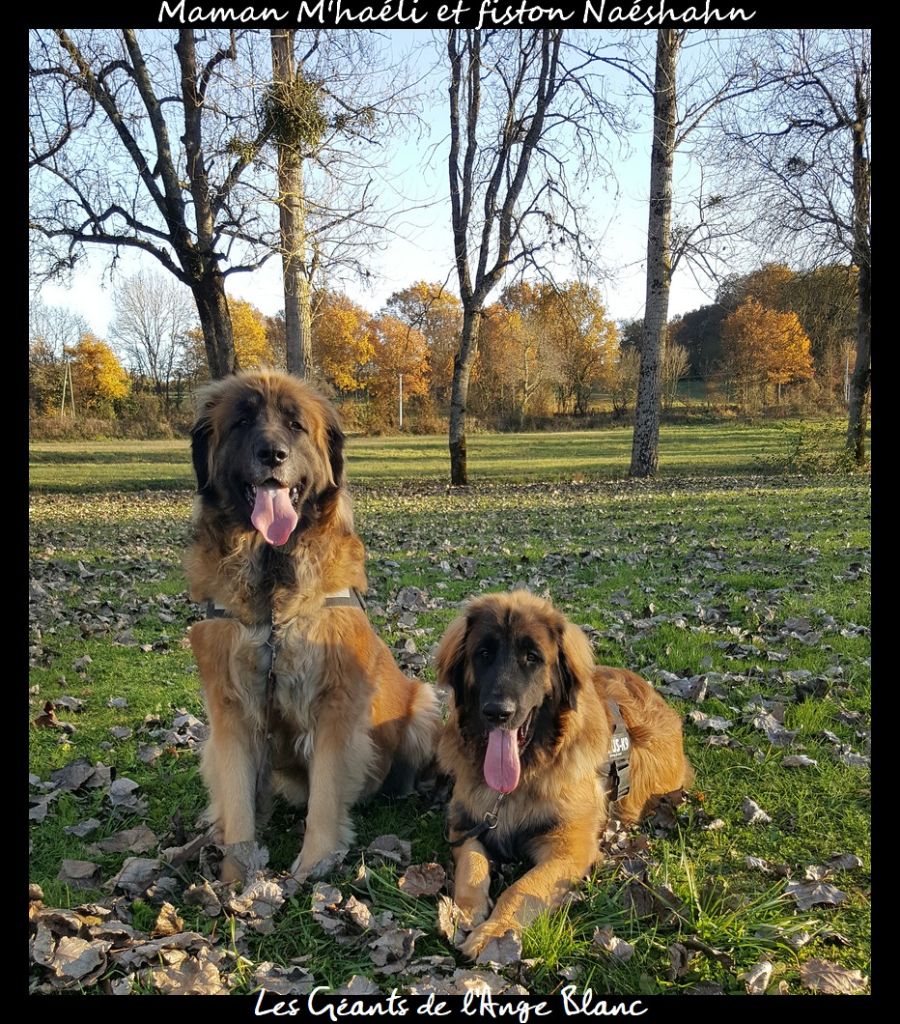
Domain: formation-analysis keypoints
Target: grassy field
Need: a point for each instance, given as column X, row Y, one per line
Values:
column 757, row 585
column 721, row 448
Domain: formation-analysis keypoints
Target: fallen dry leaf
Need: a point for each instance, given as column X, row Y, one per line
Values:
column 832, row 979
column 756, row 979
column 753, row 813
column 711, row 722
column 83, row 828
column 423, row 879
column 80, row 874
column 799, row 761
column 357, row 912
column 137, row 875
column 809, row 894
column 149, row 952
column 76, row 958
column 391, row 950
column 448, row 918
column 203, row 896
column 612, row 945
column 504, row 950
column 389, row 849
column 167, row 922
column 130, row 840
column 358, row 986
column 193, row 977
column 284, row 981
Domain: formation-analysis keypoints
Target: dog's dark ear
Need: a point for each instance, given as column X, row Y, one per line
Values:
column 200, row 437
column 336, row 452
column 575, row 663
column 201, row 433
column 450, row 659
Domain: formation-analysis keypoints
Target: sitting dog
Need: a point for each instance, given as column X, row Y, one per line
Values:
column 539, row 742
column 302, row 696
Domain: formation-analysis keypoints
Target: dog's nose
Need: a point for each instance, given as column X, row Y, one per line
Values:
column 271, row 454
column 498, row 712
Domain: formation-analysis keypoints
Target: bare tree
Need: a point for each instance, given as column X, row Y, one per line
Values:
column 332, row 103
column 674, row 365
column 801, row 149
column 134, row 145
column 51, row 330
column 510, row 137
column 153, row 315
column 720, row 70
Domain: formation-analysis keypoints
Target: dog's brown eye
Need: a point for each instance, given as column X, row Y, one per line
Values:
column 484, row 653
column 297, row 425
column 532, row 658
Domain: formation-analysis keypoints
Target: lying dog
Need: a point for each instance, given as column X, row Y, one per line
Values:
column 301, row 693
column 528, row 743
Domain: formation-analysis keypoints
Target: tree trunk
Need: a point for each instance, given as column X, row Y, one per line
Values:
column 215, row 321
column 459, row 396
column 645, row 446
column 862, row 255
column 292, row 218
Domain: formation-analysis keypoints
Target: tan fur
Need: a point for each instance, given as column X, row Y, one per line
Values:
column 563, row 783
column 342, row 711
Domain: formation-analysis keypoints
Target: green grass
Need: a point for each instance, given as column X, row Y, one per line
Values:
column 720, row 448
column 757, row 550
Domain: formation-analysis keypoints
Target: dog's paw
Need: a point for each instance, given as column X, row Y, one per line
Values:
column 231, row 870
column 471, row 915
column 481, row 936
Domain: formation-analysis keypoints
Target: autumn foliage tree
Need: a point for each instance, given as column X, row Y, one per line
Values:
column 763, row 346
column 98, row 379
column 342, row 343
column 437, row 314
column 398, row 350
column 584, row 342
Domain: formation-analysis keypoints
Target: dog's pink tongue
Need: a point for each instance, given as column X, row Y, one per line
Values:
column 273, row 514
column 501, row 762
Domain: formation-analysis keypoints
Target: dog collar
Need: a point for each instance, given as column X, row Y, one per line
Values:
column 617, row 770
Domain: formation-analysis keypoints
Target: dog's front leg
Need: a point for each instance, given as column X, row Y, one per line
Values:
column 561, row 858
column 231, row 754
column 340, row 758
column 472, row 881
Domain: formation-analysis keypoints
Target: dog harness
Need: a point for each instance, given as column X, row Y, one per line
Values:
column 616, row 771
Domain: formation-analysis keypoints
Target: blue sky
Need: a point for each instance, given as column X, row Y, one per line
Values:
column 420, row 246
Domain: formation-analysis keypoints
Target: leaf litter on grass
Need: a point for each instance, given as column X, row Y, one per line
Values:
column 568, row 577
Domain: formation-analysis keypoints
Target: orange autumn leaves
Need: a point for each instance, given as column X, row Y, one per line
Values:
column 765, row 346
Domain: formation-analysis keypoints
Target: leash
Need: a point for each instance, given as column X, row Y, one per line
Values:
column 490, row 821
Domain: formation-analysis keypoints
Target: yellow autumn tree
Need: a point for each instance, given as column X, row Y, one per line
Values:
column 437, row 313
column 584, row 342
column 763, row 346
column 251, row 340
column 98, row 379
column 341, row 343
column 398, row 350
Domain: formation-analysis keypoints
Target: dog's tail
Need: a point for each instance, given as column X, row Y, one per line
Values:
column 417, row 745
column 423, row 723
